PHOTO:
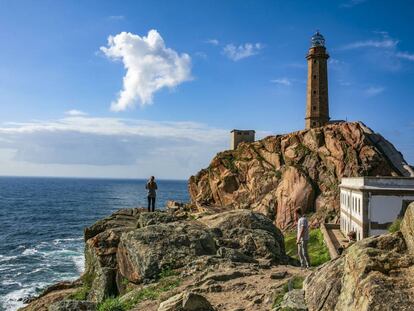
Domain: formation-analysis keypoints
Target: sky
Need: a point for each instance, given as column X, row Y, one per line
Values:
column 129, row 89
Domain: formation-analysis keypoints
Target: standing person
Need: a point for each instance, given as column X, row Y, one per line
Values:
column 151, row 186
column 302, row 239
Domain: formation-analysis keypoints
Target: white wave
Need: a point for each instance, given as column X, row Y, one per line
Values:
column 30, row 251
column 79, row 263
column 57, row 241
column 11, row 282
column 14, row 300
column 7, row 258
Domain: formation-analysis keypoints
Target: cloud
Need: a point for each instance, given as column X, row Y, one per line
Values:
column 116, row 17
column 213, row 41
column 282, row 81
column 150, row 66
column 374, row 90
column 405, row 55
column 119, row 147
column 352, row 3
column 383, row 51
column 237, row 53
column 384, row 43
column 75, row 112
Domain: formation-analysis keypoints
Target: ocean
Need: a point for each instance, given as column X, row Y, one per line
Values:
column 42, row 221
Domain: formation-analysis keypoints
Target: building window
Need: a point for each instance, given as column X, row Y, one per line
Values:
column 313, row 107
column 314, row 92
column 314, row 61
column 314, row 76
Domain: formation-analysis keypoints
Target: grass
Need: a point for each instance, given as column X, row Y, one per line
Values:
column 80, row 294
column 296, row 283
column 152, row 292
column 111, row 304
column 318, row 252
column 148, row 293
column 395, row 226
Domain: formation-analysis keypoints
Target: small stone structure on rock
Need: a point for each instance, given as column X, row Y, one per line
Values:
column 239, row 136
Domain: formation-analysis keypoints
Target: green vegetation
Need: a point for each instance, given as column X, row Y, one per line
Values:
column 152, row 292
column 318, row 252
column 167, row 272
column 302, row 150
column 395, row 226
column 295, row 283
column 111, row 304
column 80, row 294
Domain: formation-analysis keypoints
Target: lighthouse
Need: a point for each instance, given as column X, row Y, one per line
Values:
column 317, row 106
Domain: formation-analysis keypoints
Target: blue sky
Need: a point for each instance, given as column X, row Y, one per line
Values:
column 211, row 66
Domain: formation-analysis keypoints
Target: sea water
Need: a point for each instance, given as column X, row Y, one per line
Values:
column 42, row 221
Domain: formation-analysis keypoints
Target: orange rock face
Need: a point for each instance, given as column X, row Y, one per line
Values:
column 302, row 169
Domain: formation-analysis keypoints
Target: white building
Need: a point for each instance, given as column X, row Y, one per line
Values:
column 369, row 205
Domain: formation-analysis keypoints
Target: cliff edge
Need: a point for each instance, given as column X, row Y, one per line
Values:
column 277, row 174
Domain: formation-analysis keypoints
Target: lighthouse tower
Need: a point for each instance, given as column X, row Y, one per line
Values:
column 317, row 107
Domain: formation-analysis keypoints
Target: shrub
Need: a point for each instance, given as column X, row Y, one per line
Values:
column 80, row 294
column 152, row 292
column 111, row 304
column 395, row 226
column 295, row 283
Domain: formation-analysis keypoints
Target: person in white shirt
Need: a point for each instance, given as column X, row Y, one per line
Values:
column 302, row 239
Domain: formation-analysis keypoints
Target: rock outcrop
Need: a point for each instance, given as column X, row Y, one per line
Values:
column 279, row 173
column 131, row 250
column 376, row 273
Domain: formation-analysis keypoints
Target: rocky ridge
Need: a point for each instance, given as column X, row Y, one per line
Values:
column 174, row 260
column 278, row 173
column 229, row 261
column 376, row 273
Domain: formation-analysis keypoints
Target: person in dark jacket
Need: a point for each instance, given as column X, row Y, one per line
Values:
column 152, row 187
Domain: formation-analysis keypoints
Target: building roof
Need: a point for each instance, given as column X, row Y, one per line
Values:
column 387, row 183
column 234, row 130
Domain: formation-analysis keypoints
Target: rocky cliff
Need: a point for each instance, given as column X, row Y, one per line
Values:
column 376, row 273
column 277, row 174
column 175, row 261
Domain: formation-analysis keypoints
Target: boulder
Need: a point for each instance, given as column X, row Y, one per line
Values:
column 293, row 300
column 145, row 252
column 279, row 173
column 187, row 301
column 375, row 273
column 251, row 234
column 407, row 228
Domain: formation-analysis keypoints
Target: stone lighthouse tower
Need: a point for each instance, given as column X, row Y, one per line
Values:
column 317, row 107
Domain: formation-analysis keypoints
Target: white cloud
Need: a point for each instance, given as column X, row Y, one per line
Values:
column 237, row 53
column 116, row 17
column 405, row 55
column 352, row 3
column 150, row 66
column 75, row 112
column 383, row 43
column 213, row 41
column 78, row 146
column 374, row 90
column 282, row 81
